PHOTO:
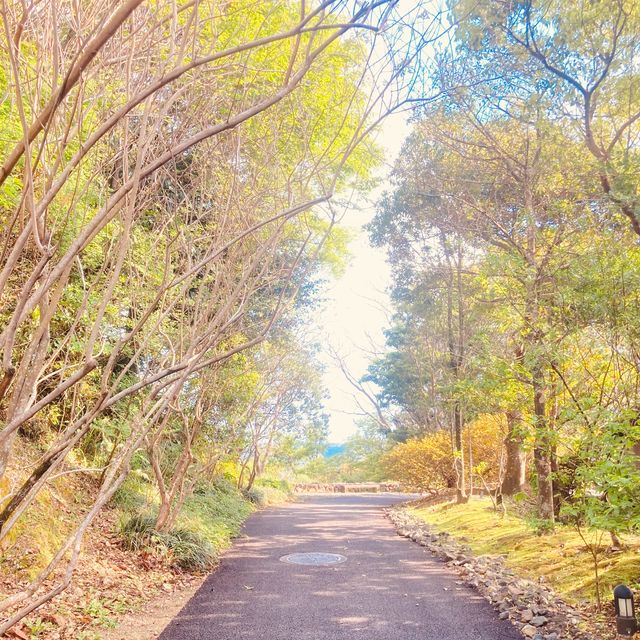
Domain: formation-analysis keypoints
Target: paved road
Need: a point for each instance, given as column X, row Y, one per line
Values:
column 388, row 589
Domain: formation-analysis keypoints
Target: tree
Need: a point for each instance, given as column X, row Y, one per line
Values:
column 428, row 464
column 587, row 51
column 162, row 175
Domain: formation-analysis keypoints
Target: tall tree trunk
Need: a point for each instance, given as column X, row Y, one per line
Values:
column 542, row 449
column 163, row 515
column 515, row 464
column 254, row 470
column 455, row 340
column 458, row 425
column 542, row 441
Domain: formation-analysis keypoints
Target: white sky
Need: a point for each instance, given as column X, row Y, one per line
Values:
column 355, row 313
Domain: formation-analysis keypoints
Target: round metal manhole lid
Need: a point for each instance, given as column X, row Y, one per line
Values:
column 314, row 559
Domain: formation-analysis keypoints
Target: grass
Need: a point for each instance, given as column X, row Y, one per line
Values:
column 187, row 549
column 560, row 556
column 208, row 521
column 217, row 515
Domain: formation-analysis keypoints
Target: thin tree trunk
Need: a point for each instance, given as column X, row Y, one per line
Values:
column 542, row 449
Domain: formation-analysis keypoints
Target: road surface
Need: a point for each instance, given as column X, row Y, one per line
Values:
column 389, row 588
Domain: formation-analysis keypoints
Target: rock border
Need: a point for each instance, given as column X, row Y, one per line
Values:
column 532, row 607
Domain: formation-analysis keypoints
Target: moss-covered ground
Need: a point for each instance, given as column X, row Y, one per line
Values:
column 560, row 556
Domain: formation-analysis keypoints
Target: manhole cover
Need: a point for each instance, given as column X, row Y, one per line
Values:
column 313, row 558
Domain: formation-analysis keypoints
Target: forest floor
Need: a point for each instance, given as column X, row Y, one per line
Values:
column 149, row 620
column 561, row 558
column 112, row 582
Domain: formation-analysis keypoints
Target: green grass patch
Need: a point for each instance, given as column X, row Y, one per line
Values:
column 560, row 556
column 185, row 548
column 206, row 525
column 216, row 515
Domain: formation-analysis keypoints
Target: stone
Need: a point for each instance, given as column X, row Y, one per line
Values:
column 529, row 605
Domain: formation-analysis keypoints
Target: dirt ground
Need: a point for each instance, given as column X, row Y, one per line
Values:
column 150, row 620
column 111, row 588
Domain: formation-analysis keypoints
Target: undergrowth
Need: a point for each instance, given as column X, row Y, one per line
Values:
column 559, row 556
column 207, row 523
column 186, row 549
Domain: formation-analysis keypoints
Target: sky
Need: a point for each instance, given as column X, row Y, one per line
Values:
column 357, row 304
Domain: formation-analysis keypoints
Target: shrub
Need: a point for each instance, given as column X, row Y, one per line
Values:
column 427, row 463
column 424, row 464
column 187, row 549
column 130, row 495
column 281, row 485
column 138, row 531
column 540, row 526
column 217, row 514
column 191, row 551
column 222, row 484
column 254, row 495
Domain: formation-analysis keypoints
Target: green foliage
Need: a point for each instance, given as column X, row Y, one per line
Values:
column 137, row 531
column 207, row 523
column 191, row 551
column 254, row 496
column 130, row 496
column 281, row 485
column 360, row 459
column 216, row 515
column 540, row 526
column 186, row 549
column 605, row 485
column 100, row 613
column 38, row 628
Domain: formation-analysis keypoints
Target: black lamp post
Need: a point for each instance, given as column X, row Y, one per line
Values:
column 626, row 623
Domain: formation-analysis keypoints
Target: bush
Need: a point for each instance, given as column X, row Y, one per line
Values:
column 191, row 551
column 130, row 495
column 138, row 531
column 280, row 485
column 540, row 526
column 188, row 550
column 216, row 514
column 207, row 523
column 424, row 464
column 427, row 463
column 254, row 495
column 222, row 484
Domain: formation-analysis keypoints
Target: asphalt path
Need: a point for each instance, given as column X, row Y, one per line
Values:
column 389, row 588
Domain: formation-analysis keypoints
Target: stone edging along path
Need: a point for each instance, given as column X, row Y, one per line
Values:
column 533, row 608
